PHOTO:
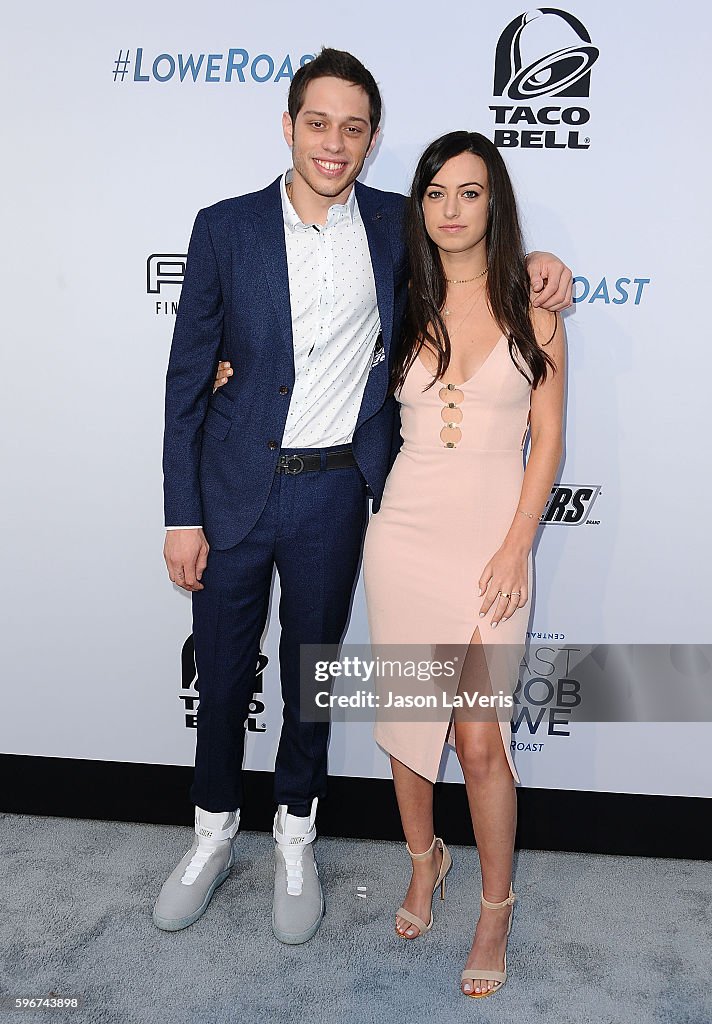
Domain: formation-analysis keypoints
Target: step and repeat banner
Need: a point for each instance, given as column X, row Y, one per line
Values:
column 121, row 122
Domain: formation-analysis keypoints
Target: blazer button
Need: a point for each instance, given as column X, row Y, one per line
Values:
column 284, row 390
column 272, row 445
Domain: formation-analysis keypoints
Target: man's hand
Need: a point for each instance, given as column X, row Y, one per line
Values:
column 551, row 281
column 186, row 555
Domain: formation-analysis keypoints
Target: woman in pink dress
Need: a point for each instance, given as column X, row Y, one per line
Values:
column 476, row 369
column 447, row 558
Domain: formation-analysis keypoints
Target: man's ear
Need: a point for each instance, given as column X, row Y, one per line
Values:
column 288, row 129
column 372, row 143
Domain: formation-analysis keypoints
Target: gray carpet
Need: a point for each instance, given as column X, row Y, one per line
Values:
column 594, row 938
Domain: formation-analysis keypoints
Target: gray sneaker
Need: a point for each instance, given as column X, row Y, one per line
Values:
column 298, row 899
column 187, row 891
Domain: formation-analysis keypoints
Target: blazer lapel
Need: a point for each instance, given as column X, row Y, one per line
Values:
column 382, row 262
column 381, row 258
column 270, row 235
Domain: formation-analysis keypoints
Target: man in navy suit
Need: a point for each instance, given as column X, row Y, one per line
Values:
column 302, row 286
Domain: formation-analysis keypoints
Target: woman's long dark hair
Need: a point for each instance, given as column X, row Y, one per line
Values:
column 507, row 278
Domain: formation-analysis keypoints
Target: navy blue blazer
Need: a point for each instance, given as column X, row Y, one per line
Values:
column 220, row 451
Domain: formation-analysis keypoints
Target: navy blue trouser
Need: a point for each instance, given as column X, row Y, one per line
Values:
column 312, row 529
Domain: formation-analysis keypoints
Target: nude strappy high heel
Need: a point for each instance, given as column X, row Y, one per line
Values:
column 445, row 866
column 473, row 973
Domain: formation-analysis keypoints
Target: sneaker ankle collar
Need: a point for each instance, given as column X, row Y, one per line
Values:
column 216, row 834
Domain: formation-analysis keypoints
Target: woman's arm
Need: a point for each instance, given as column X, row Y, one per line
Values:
column 506, row 572
column 224, row 371
column 546, row 425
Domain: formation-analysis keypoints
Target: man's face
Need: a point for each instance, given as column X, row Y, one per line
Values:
column 330, row 138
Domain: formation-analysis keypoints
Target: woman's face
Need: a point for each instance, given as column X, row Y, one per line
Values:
column 455, row 204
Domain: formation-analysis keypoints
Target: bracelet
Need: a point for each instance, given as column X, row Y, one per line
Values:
column 530, row 514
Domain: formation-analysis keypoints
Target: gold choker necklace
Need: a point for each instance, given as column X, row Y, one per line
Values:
column 465, row 280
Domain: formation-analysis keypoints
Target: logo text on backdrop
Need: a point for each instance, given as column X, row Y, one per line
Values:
column 544, row 55
column 235, row 65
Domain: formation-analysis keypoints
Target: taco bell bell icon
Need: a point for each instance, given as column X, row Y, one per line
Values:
column 544, row 53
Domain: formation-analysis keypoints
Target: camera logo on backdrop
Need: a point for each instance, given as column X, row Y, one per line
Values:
column 234, row 65
column 190, row 691
column 543, row 55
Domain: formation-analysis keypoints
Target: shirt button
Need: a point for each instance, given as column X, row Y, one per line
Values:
column 272, row 445
column 284, row 390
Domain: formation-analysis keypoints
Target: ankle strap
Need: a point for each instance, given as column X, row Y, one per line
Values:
column 288, row 839
column 419, row 856
column 505, row 903
column 214, row 833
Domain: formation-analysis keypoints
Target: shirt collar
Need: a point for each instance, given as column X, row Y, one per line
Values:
column 337, row 212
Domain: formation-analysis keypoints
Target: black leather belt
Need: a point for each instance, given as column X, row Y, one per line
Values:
column 293, row 464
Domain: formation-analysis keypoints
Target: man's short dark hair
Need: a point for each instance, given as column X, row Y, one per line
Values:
column 335, row 64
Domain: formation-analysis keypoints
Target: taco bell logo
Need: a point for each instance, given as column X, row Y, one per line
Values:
column 543, row 55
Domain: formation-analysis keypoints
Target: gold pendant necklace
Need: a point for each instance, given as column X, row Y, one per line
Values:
column 451, row 329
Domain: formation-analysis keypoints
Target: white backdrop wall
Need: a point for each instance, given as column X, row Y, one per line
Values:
column 105, row 164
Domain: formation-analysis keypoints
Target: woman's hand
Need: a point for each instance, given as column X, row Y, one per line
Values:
column 505, row 573
column 224, row 371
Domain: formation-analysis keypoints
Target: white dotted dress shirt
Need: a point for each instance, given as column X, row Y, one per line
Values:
column 335, row 323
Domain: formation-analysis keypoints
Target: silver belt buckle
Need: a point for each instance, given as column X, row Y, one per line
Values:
column 284, row 461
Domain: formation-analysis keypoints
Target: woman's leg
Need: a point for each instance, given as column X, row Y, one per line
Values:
column 493, row 806
column 415, row 803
